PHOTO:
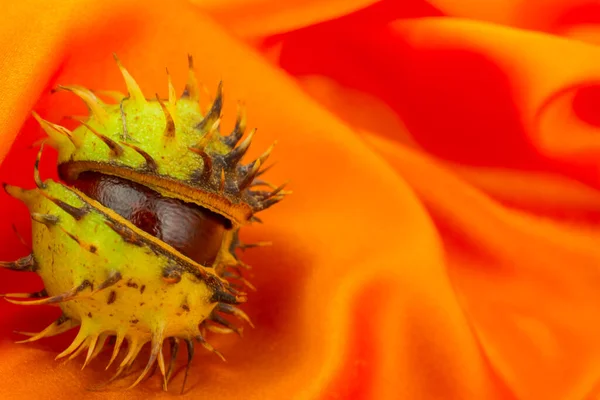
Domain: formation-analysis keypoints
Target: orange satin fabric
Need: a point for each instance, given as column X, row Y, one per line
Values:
column 441, row 241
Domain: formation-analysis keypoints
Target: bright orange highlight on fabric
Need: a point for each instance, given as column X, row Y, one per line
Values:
column 442, row 238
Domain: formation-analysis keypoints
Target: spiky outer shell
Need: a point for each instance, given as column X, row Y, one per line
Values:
column 149, row 288
column 108, row 275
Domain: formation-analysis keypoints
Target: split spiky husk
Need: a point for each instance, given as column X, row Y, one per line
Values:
column 113, row 279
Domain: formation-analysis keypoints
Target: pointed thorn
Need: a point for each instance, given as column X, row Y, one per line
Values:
column 114, row 147
column 135, row 93
column 268, row 203
column 100, row 346
column 151, row 165
column 223, row 322
column 219, row 329
column 235, row 155
column 36, row 169
column 34, row 295
column 80, row 349
column 134, row 348
column 208, row 136
column 236, row 312
column 116, row 349
column 161, row 366
column 209, row 347
column 238, row 131
column 23, row 264
column 157, row 341
column 191, row 90
column 70, row 295
column 61, row 325
column 263, row 157
column 93, row 103
column 172, row 93
column 91, row 349
column 76, row 213
column 174, row 343
column 24, row 195
column 56, row 132
column 247, row 180
column 190, row 350
column 206, row 163
column 79, row 339
column 264, row 170
column 215, row 110
column 279, row 189
column 152, row 372
column 169, row 122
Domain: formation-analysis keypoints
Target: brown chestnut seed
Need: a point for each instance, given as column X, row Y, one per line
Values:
column 194, row 231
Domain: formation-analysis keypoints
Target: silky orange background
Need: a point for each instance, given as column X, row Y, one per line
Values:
column 441, row 241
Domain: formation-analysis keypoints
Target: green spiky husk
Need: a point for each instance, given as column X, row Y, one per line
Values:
column 111, row 278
